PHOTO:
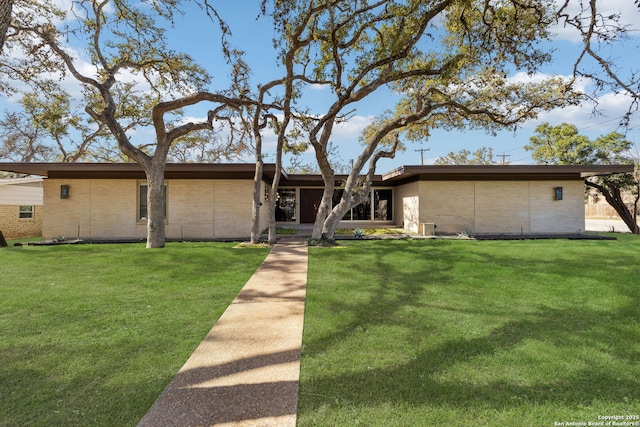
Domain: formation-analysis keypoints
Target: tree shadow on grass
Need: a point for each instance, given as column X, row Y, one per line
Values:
column 599, row 343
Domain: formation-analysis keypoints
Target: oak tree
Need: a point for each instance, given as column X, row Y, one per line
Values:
column 599, row 31
column 446, row 62
column 5, row 17
column 482, row 156
column 126, row 46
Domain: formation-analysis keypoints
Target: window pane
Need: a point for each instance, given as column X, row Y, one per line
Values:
column 337, row 195
column 383, row 207
column 362, row 211
column 286, row 204
column 143, row 202
column 142, row 208
column 26, row 212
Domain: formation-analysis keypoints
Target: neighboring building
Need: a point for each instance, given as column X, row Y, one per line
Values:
column 597, row 206
column 21, row 207
column 209, row 201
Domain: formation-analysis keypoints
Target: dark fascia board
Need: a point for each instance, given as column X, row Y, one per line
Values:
column 398, row 176
column 135, row 171
column 309, row 180
column 406, row 174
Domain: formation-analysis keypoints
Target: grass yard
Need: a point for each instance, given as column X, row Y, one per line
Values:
column 472, row 333
column 90, row 335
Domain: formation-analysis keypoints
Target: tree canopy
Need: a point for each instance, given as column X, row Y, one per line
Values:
column 482, row 156
column 135, row 79
column 448, row 61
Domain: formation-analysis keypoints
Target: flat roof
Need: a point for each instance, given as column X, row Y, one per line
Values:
column 247, row 170
column 135, row 171
column 500, row 172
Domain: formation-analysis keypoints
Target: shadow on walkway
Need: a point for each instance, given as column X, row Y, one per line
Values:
column 246, row 370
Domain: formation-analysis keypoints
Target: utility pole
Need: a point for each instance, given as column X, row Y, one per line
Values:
column 422, row 150
column 504, row 156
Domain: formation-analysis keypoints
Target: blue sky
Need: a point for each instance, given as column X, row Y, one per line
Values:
column 255, row 37
column 195, row 34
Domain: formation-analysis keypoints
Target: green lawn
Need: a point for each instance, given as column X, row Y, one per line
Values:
column 90, row 335
column 397, row 333
column 471, row 333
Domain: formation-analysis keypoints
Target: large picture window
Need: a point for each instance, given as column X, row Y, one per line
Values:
column 142, row 201
column 380, row 210
column 383, row 205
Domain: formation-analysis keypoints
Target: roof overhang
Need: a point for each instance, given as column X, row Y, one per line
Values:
column 135, row 171
column 500, row 172
column 398, row 176
column 312, row 180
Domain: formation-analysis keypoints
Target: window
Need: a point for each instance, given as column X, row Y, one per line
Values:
column 382, row 207
column 286, row 205
column 26, row 212
column 362, row 212
column 142, row 201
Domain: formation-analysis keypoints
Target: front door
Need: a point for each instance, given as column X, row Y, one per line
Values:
column 310, row 199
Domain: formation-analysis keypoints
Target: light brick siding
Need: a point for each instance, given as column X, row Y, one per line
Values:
column 448, row 204
column 108, row 209
column 493, row 206
column 406, row 207
column 555, row 216
column 14, row 227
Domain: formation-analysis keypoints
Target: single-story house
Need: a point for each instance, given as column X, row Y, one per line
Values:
column 21, row 207
column 209, row 201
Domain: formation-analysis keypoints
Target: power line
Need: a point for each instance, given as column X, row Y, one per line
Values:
column 504, row 156
column 422, row 150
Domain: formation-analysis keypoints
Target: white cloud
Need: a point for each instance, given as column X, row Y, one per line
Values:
column 603, row 117
column 319, row 87
column 626, row 9
column 351, row 129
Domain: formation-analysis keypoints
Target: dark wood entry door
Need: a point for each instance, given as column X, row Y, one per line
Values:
column 310, row 199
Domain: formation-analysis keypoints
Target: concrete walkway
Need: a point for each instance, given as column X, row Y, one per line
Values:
column 246, row 370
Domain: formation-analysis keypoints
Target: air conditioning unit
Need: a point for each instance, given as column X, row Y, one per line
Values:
column 428, row 229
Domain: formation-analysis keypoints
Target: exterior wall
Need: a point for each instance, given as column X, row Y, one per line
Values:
column 407, row 206
column 108, row 209
column 557, row 216
column 21, row 194
column 13, row 194
column 14, row 227
column 448, row 204
column 504, row 207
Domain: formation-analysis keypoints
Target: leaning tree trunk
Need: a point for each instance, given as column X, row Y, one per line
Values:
column 155, row 207
column 614, row 198
column 332, row 221
column 5, row 19
column 318, row 234
column 328, row 176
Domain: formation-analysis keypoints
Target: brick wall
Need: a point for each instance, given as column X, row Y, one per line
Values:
column 448, row 204
column 407, row 207
column 108, row 209
column 14, row 227
column 496, row 206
